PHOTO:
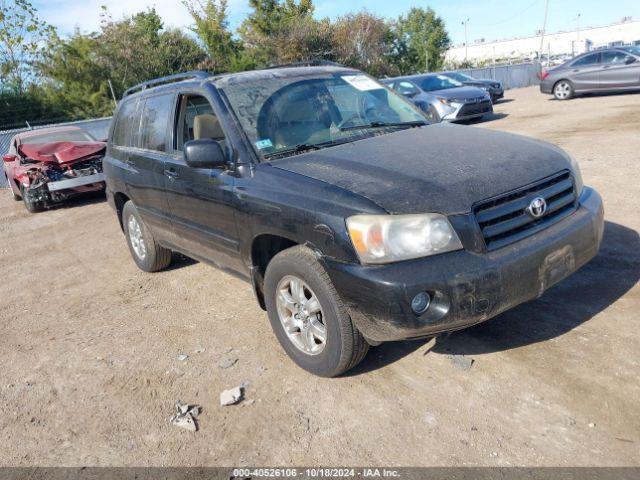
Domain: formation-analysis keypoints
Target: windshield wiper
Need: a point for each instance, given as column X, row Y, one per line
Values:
column 301, row 147
column 416, row 123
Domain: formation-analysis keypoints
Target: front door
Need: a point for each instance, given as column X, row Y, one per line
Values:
column 201, row 200
column 619, row 70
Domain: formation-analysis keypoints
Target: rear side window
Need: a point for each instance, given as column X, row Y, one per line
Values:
column 587, row 60
column 126, row 129
column 156, row 113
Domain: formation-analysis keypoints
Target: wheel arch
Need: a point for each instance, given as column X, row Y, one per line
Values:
column 119, row 199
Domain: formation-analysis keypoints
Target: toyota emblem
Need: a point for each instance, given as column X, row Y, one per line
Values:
column 537, row 207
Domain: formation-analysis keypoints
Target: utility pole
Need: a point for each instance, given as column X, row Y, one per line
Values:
column 426, row 59
column 466, row 43
column 113, row 95
column 578, row 26
column 544, row 27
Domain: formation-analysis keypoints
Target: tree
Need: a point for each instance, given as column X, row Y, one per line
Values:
column 265, row 31
column 421, row 41
column 212, row 28
column 365, row 41
column 22, row 35
column 77, row 70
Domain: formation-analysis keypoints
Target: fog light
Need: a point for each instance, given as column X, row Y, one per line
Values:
column 420, row 303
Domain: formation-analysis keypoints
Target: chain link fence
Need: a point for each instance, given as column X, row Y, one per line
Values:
column 512, row 76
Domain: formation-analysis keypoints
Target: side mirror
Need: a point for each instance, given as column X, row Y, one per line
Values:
column 629, row 60
column 204, row 153
column 9, row 158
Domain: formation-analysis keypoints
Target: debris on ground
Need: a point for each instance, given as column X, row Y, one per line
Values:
column 244, row 384
column 182, row 357
column 461, row 362
column 231, row 396
column 199, row 350
column 227, row 362
column 592, row 425
column 185, row 416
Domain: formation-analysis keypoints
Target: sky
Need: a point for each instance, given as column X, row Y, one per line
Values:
column 487, row 19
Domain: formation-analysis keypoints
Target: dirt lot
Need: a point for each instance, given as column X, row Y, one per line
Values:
column 90, row 344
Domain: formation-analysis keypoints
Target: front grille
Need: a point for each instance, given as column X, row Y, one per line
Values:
column 475, row 108
column 504, row 219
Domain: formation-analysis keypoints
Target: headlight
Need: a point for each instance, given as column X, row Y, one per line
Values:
column 445, row 101
column 391, row 238
column 577, row 174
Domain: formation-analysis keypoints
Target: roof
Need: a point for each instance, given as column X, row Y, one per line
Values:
column 277, row 72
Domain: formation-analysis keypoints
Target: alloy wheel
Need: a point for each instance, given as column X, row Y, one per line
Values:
column 301, row 315
column 136, row 238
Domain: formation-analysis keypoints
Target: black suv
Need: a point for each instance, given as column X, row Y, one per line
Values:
column 355, row 220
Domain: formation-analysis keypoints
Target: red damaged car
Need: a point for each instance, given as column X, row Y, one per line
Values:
column 47, row 166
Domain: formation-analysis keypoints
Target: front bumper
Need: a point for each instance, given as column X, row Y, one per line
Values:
column 76, row 182
column 467, row 287
column 467, row 111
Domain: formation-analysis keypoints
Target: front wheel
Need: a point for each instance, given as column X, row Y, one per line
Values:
column 563, row 90
column 145, row 250
column 308, row 317
column 32, row 205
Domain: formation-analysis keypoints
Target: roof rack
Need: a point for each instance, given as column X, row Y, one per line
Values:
column 307, row 63
column 168, row 79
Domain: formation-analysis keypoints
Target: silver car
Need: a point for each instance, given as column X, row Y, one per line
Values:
column 443, row 99
column 614, row 69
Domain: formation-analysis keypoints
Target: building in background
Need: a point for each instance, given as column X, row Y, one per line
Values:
column 625, row 32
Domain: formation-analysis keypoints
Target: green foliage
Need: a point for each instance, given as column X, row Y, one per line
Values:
column 265, row 31
column 365, row 41
column 22, row 35
column 420, row 37
column 212, row 28
column 47, row 77
column 77, row 70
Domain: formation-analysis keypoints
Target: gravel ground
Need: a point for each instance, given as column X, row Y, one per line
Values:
column 90, row 347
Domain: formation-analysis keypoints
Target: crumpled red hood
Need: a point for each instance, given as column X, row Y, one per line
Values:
column 60, row 152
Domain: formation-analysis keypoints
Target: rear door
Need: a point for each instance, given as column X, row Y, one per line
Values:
column 201, row 200
column 147, row 157
column 584, row 73
column 619, row 70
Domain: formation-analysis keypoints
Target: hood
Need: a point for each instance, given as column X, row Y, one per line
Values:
column 60, row 152
column 441, row 168
column 459, row 92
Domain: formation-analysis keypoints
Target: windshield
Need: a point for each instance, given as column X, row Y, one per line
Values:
column 289, row 114
column 633, row 50
column 62, row 136
column 461, row 77
column 438, row 82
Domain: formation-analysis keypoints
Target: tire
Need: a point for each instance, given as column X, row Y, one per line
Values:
column 145, row 250
column 563, row 90
column 31, row 205
column 344, row 346
column 432, row 114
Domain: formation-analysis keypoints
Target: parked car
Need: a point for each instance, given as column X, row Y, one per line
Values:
column 493, row 87
column 47, row 166
column 614, row 69
column 355, row 221
column 443, row 99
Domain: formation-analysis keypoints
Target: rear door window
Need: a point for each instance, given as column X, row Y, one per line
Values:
column 587, row 60
column 125, row 132
column 156, row 112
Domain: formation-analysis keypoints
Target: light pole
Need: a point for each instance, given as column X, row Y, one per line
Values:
column 578, row 25
column 466, row 43
column 544, row 27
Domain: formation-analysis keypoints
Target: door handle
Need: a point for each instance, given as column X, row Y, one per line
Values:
column 171, row 173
